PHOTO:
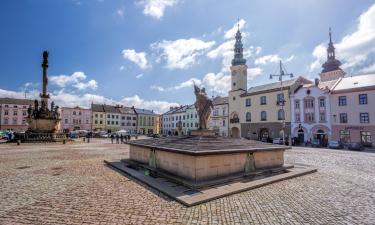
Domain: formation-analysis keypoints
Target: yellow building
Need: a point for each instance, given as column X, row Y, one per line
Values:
column 147, row 121
column 98, row 117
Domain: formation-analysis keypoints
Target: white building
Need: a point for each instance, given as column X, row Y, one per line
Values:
column 179, row 120
column 219, row 116
column 128, row 119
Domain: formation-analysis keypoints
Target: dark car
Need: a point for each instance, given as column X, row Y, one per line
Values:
column 156, row 136
column 316, row 143
column 335, row 145
column 355, row 146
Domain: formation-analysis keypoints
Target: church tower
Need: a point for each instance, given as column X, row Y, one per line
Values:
column 238, row 68
column 331, row 68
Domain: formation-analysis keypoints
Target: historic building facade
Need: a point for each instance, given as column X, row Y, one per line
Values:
column 179, row 120
column 98, row 117
column 311, row 106
column 147, row 121
column 220, row 116
column 352, row 108
column 13, row 113
column 128, row 120
column 76, row 118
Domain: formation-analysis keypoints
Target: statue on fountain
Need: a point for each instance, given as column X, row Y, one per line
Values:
column 203, row 105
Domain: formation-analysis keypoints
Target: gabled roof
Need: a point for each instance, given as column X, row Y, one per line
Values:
column 353, row 82
column 97, row 108
column 16, row 101
column 127, row 110
column 145, row 111
column 111, row 109
column 220, row 100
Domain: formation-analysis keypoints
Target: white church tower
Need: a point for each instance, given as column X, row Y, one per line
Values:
column 238, row 87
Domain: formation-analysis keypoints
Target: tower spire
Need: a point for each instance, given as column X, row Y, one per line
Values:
column 238, row 49
column 332, row 63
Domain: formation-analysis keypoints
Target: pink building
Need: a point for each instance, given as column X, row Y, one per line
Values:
column 353, row 109
column 76, row 118
column 13, row 113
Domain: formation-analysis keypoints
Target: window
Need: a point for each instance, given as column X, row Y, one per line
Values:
column 24, row 122
column 343, row 117
column 280, row 99
column 362, row 99
column 364, row 118
column 117, row 117
column 263, row 116
column 74, row 112
column 215, row 112
column 322, row 102
column 96, row 122
column 281, row 114
column 15, row 113
column 183, row 124
column 309, row 117
column 187, row 124
column 223, row 123
column 123, row 117
column 101, row 115
column 263, row 100
column 296, row 104
column 6, row 106
column 24, row 113
column 196, row 124
column 96, row 115
column 5, row 121
column 101, row 122
column 116, row 122
column 248, row 102
column 122, row 124
column 15, row 106
column 80, row 113
column 309, row 103
column 191, row 124
column 345, row 136
column 366, row 137
column 6, row 112
column 87, row 121
column 66, row 121
column 113, row 116
column 196, row 116
column 134, row 118
column 113, row 122
column 322, row 117
column 108, row 123
column 15, row 121
column 298, row 117
column 108, row 116
column 248, row 116
column 128, row 118
column 342, row 100
column 183, row 117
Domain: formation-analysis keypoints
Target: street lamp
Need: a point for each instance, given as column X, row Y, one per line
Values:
column 281, row 102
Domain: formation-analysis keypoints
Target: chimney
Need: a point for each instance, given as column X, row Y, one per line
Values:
column 316, row 81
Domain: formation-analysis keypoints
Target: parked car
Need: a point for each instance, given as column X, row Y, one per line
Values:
column 335, row 145
column 279, row 141
column 156, row 136
column 355, row 146
column 316, row 143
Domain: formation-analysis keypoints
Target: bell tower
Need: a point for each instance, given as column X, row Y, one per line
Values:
column 238, row 68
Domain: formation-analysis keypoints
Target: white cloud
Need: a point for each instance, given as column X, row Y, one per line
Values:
column 120, row 13
column 139, row 76
column 138, row 58
column 355, row 49
column 368, row 69
column 231, row 33
column 267, row 59
column 253, row 72
column 156, row 8
column 76, row 80
column 66, row 99
column 122, row 67
column 218, row 83
column 185, row 84
column 157, row 106
column 182, row 53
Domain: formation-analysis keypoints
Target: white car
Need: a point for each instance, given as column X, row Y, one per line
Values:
column 278, row 141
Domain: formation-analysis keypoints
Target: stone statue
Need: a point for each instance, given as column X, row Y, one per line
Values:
column 52, row 106
column 36, row 105
column 30, row 111
column 203, row 105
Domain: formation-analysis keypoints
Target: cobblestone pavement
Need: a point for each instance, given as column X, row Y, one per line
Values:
column 69, row 184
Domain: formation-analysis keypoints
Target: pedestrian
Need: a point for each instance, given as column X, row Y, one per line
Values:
column 117, row 139
column 112, row 138
column 122, row 138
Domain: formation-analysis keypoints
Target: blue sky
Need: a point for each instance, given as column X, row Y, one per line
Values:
column 146, row 53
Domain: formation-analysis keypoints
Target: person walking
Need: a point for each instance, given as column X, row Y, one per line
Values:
column 117, row 139
column 122, row 139
column 112, row 138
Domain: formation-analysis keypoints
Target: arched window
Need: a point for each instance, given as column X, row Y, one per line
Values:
column 280, row 114
column 248, row 116
column 263, row 116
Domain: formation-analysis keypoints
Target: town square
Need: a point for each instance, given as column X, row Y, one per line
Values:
column 135, row 112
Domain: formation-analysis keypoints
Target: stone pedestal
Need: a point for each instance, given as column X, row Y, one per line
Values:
column 203, row 132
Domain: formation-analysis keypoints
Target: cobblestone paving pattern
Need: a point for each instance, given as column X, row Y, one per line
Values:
column 69, row 184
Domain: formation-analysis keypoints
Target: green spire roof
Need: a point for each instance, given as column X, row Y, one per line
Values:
column 238, row 50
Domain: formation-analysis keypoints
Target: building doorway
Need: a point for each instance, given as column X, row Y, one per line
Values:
column 235, row 132
column 322, row 137
column 301, row 136
column 264, row 134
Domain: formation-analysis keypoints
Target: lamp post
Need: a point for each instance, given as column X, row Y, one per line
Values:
column 281, row 102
